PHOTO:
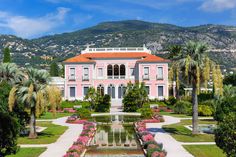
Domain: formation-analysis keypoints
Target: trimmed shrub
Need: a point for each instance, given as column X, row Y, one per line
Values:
column 146, row 111
column 83, row 113
column 182, row 107
column 204, row 110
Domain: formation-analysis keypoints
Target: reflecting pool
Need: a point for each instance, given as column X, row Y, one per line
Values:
column 115, row 137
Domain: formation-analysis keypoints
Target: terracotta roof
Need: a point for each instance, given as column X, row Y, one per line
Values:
column 142, row 56
column 79, row 59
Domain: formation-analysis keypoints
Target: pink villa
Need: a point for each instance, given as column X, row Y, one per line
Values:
column 110, row 69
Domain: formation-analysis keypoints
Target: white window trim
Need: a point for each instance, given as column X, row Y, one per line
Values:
column 70, row 70
column 162, row 72
column 160, row 97
column 148, row 70
column 130, row 75
column 83, row 90
column 98, row 72
column 149, row 89
column 69, row 92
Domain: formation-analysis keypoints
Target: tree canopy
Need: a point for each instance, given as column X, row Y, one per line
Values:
column 193, row 67
column 6, row 55
column 54, row 69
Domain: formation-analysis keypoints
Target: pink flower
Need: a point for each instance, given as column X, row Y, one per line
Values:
column 71, row 154
column 83, row 140
column 158, row 154
column 147, row 137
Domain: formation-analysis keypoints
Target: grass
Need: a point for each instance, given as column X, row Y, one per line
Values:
column 28, row 152
column 205, row 150
column 176, row 115
column 182, row 134
column 49, row 135
column 49, row 115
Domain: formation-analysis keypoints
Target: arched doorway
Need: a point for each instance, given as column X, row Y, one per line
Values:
column 121, row 91
column 111, row 91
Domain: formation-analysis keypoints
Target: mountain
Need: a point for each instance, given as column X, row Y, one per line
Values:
column 156, row 36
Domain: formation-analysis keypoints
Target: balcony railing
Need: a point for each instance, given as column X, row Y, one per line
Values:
column 145, row 77
column 72, row 78
column 159, row 77
column 116, row 77
column 85, row 78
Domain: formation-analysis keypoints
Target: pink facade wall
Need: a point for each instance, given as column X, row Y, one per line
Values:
column 94, row 80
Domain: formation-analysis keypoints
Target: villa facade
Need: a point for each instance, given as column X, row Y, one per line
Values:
column 110, row 69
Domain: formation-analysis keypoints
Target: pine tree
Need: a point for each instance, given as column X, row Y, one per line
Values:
column 7, row 56
column 54, row 69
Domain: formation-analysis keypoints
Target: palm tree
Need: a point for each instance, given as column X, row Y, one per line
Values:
column 175, row 52
column 194, row 67
column 9, row 72
column 32, row 93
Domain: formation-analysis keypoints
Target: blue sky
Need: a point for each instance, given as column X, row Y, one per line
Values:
column 35, row 18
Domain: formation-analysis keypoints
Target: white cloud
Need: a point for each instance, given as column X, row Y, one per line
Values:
column 218, row 5
column 30, row 27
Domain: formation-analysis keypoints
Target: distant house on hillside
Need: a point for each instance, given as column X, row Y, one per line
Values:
column 110, row 69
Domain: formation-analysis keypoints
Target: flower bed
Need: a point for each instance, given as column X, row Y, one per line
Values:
column 150, row 147
column 78, row 148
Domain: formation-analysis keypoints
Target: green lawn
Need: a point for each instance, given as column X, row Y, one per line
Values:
column 28, row 152
column 205, row 150
column 175, row 115
column 182, row 134
column 49, row 135
column 49, row 115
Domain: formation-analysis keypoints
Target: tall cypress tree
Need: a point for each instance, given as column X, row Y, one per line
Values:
column 54, row 69
column 7, row 56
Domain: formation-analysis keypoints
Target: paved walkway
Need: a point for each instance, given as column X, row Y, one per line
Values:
column 173, row 147
column 65, row 141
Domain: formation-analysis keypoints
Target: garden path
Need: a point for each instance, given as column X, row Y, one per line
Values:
column 65, row 141
column 173, row 147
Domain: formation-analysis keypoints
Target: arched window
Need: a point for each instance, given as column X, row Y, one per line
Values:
column 109, row 70
column 122, row 70
column 111, row 91
column 100, row 89
column 121, row 91
column 116, row 70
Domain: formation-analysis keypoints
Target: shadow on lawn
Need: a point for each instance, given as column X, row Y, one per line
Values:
column 41, row 134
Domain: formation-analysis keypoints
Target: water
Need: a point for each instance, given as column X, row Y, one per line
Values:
column 115, row 137
column 209, row 129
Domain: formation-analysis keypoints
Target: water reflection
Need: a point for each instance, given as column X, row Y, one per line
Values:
column 115, row 139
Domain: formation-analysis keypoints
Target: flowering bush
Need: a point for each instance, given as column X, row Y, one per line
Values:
column 158, row 154
column 71, row 154
column 148, row 137
column 153, row 148
column 79, row 146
